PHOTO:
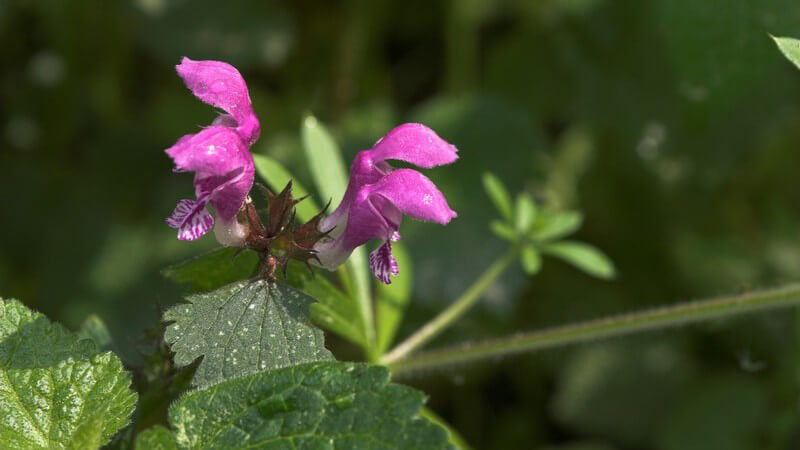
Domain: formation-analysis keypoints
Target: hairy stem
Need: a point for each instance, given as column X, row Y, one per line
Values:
column 454, row 311
column 663, row 317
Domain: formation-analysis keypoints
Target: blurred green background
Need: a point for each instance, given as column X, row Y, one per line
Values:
column 674, row 125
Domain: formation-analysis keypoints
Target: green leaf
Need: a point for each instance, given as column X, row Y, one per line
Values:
column 156, row 438
column 583, row 256
column 242, row 328
column 392, row 299
column 333, row 310
column 324, row 160
column 277, row 177
column 56, row 391
column 555, row 225
column 498, row 193
column 531, row 260
column 524, row 213
column 316, row 405
column 330, row 176
column 503, row 230
column 790, row 48
column 213, row 269
column 454, row 437
column 95, row 329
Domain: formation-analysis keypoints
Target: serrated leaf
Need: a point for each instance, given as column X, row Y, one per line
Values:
column 392, row 299
column 333, row 310
column 531, row 260
column 316, row 405
column 524, row 213
column 502, row 230
column 555, row 225
column 156, row 438
column 213, row 269
column 583, row 256
column 56, row 391
column 242, row 328
column 498, row 194
column 790, row 48
column 277, row 177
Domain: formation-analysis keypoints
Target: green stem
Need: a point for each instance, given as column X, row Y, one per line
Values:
column 357, row 265
column 663, row 317
column 454, row 311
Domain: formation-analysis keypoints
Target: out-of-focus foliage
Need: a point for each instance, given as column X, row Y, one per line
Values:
column 673, row 125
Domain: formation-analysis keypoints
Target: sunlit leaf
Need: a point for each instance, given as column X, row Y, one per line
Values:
column 56, row 390
column 583, row 256
column 242, row 328
column 213, row 269
column 499, row 195
column 392, row 299
column 277, row 176
column 315, row 405
column 531, row 260
column 790, row 48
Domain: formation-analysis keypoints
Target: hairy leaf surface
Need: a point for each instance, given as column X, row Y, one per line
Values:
column 56, row 390
column 323, row 405
column 242, row 328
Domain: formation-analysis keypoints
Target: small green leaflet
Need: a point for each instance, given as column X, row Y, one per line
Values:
column 790, row 48
column 583, row 256
column 499, row 195
column 242, row 328
column 213, row 269
column 56, row 390
column 552, row 225
column 322, row 405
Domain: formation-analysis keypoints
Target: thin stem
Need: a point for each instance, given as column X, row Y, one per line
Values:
column 663, row 317
column 357, row 265
column 454, row 311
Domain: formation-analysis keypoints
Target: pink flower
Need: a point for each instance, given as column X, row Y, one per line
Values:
column 378, row 196
column 218, row 155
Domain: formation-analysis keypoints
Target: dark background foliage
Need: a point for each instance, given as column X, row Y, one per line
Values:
column 673, row 124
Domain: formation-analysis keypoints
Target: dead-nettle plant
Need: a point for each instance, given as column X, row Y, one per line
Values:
column 244, row 356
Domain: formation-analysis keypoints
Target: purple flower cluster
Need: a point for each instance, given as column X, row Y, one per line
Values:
column 218, row 155
column 373, row 206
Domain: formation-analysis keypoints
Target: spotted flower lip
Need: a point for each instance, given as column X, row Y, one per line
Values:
column 218, row 155
column 378, row 196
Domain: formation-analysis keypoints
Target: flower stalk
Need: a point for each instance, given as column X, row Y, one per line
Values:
column 454, row 311
column 617, row 325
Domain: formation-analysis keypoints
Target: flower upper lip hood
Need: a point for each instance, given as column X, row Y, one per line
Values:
column 219, row 154
column 378, row 196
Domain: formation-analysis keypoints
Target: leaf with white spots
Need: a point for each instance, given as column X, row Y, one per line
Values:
column 321, row 405
column 56, row 390
column 242, row 328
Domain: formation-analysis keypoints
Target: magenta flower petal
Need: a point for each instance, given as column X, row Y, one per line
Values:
column 215, row 150
column 219, row 84
column 414, row 195
column 416, row 144
column 191, row 219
